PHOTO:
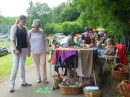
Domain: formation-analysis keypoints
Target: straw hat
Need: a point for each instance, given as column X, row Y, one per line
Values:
column 36, row 23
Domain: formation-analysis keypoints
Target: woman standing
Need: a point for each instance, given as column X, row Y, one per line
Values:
column 39, row 48
column 20, row 45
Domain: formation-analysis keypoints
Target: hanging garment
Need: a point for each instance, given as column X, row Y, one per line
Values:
column 67, row 53
column 56, row 54
column 86, row 61
column 122, row 54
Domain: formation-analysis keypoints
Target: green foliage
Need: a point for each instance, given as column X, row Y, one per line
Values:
column 57, row 28
column 1, row 18
column 68, row 27
column 56, row 12
column 113, row 15
column 5, row 67
column 69, row 14
column 6, row 23
column 39, row 11
column 117, row 94
column 128, row 56
column 49, row 29
column 53, row 28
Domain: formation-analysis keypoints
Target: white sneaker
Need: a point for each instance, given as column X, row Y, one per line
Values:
column 11, row 89
column 39, row 80
column 45, row 80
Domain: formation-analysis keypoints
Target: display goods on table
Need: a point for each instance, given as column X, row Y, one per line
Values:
column 69, row 82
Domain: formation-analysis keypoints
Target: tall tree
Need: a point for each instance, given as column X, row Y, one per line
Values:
column 56, row 12
column 39, row 11
column 110, row 14
column 69, row 14
column 6, row 23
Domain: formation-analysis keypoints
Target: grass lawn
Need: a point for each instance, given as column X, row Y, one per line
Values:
column 6, row 61
column 6, row 65
column 6, row 43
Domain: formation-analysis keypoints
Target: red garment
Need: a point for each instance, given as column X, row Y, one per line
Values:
column 87, row 40
column 56, row 46
column 55, row 55
column 122, row 54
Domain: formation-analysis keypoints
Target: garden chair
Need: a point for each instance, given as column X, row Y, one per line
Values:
column 111, row 60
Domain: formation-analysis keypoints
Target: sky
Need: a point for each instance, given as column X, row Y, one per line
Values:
column 18, row 7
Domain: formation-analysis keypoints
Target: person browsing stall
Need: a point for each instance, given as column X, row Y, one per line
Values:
column 39, row 48
column 21, row 47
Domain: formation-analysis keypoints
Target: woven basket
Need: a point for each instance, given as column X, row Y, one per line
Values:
column 57, row 81
column 119, row 76
column 71, row 90
column 92, row 94
column 124, row 89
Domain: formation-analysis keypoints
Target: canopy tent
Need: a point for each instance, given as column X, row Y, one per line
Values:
column 78, row 35
column 94, row 30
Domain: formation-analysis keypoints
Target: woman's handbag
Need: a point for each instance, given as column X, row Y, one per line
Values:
column 19, row 48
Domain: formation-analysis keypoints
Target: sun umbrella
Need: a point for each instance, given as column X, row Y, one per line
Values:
column 94, row 30
column 78, row 35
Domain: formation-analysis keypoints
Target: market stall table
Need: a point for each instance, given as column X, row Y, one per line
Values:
column 83, row 59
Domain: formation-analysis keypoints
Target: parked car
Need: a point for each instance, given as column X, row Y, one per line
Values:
column 58, row 35
column 3, row 51
column 1, row 40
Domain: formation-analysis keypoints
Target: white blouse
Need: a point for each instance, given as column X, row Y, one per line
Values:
column 38, row 42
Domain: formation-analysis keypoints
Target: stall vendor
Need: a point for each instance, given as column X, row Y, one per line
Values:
column 70, row 40
column 87, row 39
column 110, row 48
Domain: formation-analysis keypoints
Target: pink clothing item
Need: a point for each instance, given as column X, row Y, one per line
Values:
column 40, row 64
column 55, row 55
column 67, row 53
column 85, row 80
column 92, row 44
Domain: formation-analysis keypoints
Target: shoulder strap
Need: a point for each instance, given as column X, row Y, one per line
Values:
column 25, row 29
column 29, row 34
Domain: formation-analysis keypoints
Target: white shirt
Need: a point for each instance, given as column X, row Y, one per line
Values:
column 38, row 42
column 63, row 41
